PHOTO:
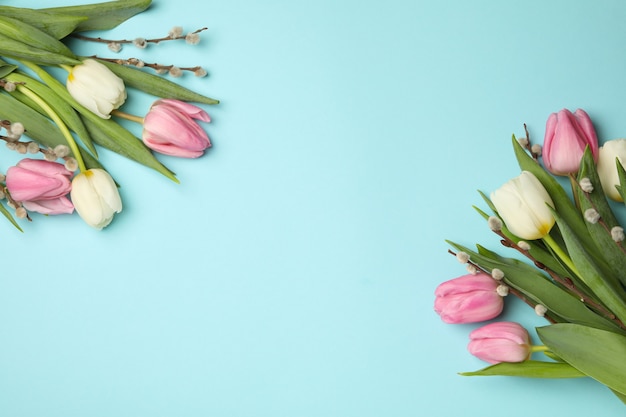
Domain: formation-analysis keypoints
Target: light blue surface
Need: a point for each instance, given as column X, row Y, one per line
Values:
column 292, row 272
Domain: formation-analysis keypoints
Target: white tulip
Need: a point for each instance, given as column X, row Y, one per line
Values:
column 96, row 87
column 95, row 197
column 522, row 205
column 607, row 166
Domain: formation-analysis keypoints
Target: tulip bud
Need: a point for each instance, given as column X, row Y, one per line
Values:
column 170, row 128
column 95, row 197
column 610, row 153
column 500, row 342
column 468, row 299
column 567, row 136
column 41, row 186
column 96, row 87
column 522, row 203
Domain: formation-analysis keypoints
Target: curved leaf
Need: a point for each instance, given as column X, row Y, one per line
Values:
column 529, row 369
column 597, row 353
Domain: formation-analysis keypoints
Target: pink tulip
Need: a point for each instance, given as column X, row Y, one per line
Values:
column 41, row 186
column 170, row 128
column 500, row 342
column 468, row 299
column 567, row 136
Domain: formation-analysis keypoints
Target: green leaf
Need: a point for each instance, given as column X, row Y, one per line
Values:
column 102, row 16
column 38, row 127
column 60, row 106
column 155, row 85
column 30, row 35
column 11, row 48
column 613, row 254
column 606, row 288
column 57, row 25
column 9, row 217
column 597, row 353
column 6, row 69
column 529, row 369
column 622, row 180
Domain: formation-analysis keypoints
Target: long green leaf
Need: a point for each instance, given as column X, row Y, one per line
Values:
column 11, row 48
column 61, row 107
column 102, row 16
column 38, row 127
column 32, row 36
column 57, row 25
column 606, row 288
column 597, row 353
column 156, row 85
column 6, row 69
column 9, row 217
column 529, row 369
column 614, row 256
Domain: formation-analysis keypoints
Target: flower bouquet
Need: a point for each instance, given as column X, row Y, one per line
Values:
column 569, row 264
column 61, row 123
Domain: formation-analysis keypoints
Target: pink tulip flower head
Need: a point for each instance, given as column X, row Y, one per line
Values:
column 170, row 128
column 500, row 342
column 468, row 299
column 567, row 136
column 41, row 186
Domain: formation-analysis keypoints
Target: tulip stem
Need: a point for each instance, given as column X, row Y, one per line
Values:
column 560, row 253
column 58, row 121
column 539, row 348
column 127, row 116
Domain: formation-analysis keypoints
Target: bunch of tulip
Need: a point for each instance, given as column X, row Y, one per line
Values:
column 61, row 123
column 569, row 266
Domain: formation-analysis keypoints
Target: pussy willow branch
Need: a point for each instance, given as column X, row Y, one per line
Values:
column 601, row 221
column 138, row 63
column 512, row 290
column 566, row 282
column 127, row 41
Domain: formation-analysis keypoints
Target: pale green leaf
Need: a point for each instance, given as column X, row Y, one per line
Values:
column 57, row 25
column 529, row 369
column 597, row 353
column 102, row 16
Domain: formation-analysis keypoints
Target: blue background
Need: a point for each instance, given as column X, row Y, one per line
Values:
column 292, row 271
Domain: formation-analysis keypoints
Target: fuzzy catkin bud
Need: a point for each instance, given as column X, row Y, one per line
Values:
column 617, row 234
column 9, row 86
column 586, row 185
column 176, row 72
column 523, row 141
column 592, row 216
column 494, row 223
column 32, row 148
column 17, row 129
column 21, row 213
column 114, row 46
column 200, row 72
column 497, row 274
column 462, row 257
column 61, row 151
column 536, row 149
column 192, row 38
column 523, row 245
column 471, row 269
column 71, row 164
column 502, row 290
column 541, row 310
column 175, row 32
column 140, row 42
